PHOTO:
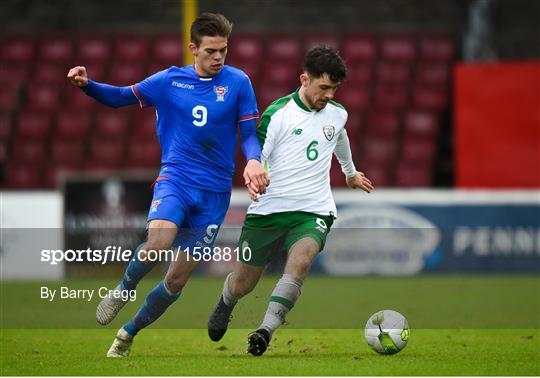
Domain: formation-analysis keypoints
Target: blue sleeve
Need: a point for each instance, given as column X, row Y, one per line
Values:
column 247, row 104
column 149, row 90
column 250, row 143
column 110, row 95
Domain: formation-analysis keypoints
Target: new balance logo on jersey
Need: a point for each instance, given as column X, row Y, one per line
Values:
column 182, row 85
column 297, row 131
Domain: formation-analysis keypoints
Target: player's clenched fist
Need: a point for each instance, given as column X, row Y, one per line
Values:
column 256, row 178
column 77, row 76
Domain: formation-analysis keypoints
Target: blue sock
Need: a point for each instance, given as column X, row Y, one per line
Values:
column 135, row 271
column 157, row 301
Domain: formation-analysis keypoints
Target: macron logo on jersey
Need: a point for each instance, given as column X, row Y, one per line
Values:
column 182, row 85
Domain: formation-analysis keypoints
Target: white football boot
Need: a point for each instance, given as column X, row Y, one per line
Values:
column 121, row 345
column 109, row 307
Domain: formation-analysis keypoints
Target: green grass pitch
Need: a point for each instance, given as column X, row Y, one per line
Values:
column 492, row 328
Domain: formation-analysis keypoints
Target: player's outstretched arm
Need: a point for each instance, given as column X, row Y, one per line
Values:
column 109, row 95
column 360, row 181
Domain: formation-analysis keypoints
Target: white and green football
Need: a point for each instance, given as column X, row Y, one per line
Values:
column 387, row 332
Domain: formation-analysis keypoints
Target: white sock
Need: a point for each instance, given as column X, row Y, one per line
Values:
column 228, row 298
column 283, row 298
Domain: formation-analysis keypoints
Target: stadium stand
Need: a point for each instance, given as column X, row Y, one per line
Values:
column 397, row 90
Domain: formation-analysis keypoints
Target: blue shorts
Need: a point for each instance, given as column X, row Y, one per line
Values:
column 197, row 213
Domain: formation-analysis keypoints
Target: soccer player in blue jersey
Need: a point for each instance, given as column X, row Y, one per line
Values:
column 198, row 109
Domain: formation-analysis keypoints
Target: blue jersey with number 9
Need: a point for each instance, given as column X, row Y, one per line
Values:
column 197, row 122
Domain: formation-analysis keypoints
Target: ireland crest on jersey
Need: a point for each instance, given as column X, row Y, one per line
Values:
column 220, row 93
column 329, row 131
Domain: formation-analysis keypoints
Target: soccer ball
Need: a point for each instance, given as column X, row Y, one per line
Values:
column 387, row 332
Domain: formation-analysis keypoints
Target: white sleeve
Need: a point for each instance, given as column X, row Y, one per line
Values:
column 344, row 155
column 270, row 136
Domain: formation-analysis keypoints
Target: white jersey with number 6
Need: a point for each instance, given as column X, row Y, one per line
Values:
column 297, row 147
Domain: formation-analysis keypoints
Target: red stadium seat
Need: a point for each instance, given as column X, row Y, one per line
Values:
column 421, row 124
column 251, row 68
column 359, row 48
column 143, row 154
column 33, row 125
column 382, row 123
column 124, row 74
column 391, row 97
column 5, row 126
column 155, row 67
column 315, row 40
column 436, row 74
column 398, row 47
column 430, row 97
column 145, row 125
column 413, row 175
column 14, row 72
column 280, row 73
column 22, row 175
column 239, row 165
column 43, row 96
column 105, row 155
column 418, row 150
column 3, row 151
column 398, row 73
column 268, row 94
column 246, row 47
column 50, row 73
column 75, row 99
column 17, row 49
column 101, row 166
column 337, row 178
column 56, row 49
column 354, row 125
column 95, row 71
column 72, row 124
column 9, row 96
column 112, row 123
column 285, row 48
column 379, row 150
column 359, row 73
column 437, row 48
column 353, row 96
column 168, row 51
column 55, row 173
column 133, row 49
column 93, row 49
column 380, row 175
column 29, row 151
column 66, row 152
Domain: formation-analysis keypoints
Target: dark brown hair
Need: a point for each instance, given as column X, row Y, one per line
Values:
column 321, row 60
column 210, row 25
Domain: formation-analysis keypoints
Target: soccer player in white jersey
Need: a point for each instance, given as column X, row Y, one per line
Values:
column 299, row 134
